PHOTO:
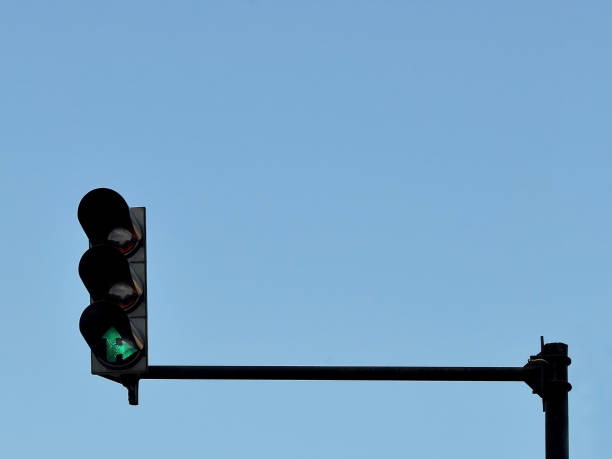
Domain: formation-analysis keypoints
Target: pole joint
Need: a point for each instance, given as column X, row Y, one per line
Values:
column 131, row 384
column 550, row 376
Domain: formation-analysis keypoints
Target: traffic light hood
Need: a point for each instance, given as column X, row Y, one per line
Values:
column 109, row 334
column 106, row 219
column 107, row 276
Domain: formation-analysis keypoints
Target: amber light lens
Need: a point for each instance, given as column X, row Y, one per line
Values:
column 107, row 275
column 125, row 294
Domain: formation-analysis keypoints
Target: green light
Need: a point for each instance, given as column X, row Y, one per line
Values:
column 116, row 345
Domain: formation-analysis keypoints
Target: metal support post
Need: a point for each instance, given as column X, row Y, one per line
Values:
column 552, row 385
column 545, row 373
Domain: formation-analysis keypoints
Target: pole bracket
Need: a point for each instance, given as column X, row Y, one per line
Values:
column 549, row 377
column 131, row 384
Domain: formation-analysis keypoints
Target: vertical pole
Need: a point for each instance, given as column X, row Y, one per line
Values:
column 555, row 391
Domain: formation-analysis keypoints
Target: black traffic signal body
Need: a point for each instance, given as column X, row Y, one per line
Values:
column 114, row 272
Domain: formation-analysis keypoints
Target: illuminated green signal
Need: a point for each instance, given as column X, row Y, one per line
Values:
column 117, row 346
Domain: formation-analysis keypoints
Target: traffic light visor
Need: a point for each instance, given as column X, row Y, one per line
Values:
column 106, row 219
column 107, row 276
column 110, row 335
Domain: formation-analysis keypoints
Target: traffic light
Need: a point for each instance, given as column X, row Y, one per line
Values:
column 114, row 272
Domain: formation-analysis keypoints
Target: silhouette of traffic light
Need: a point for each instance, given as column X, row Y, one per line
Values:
column 113, row 270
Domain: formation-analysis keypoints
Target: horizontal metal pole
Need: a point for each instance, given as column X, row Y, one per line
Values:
column 335, row 373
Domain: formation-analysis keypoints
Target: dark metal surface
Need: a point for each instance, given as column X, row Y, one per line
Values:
column 557, row 427
column 555, row 397
column 545, row 373
column 341, row 373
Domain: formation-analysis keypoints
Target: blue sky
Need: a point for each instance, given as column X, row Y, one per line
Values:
column 376, row 183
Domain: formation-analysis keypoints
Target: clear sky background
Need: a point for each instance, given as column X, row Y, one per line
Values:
column 329, row 182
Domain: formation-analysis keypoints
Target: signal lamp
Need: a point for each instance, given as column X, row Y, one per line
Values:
column 106, row 219
column 110, row 335
column 107, row 275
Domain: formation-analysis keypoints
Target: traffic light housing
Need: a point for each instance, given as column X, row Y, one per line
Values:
column 114, row 273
